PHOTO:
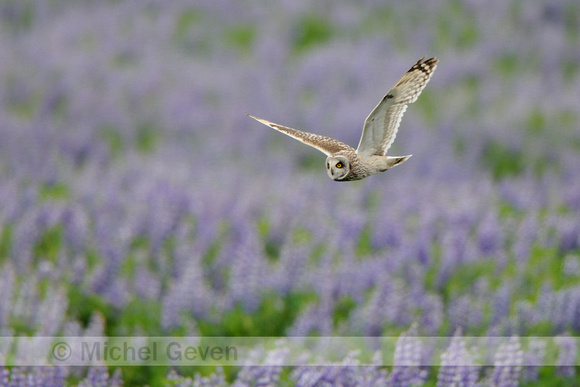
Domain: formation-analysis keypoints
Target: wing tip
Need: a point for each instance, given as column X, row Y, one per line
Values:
column 433, row 59
column 260, row 120
column 425, row 66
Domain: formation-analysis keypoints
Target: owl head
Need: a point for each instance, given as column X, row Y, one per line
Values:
column 337, row 167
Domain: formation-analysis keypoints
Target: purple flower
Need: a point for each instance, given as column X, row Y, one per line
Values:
column 267, row 374
column 100, row 377
column 526, row 236
column 458, row 367
column 386, row 305
column 533, row 359
column 433, row 314
column 508, row 364
column 248, row 273
column 407, row 369
column 501, row 304
column 569, row 231
column 567, row 357
column 188, row 292
column 465, row 312
column 216, row 379
column 346, row 373
column 37, row 376
column 490, row 235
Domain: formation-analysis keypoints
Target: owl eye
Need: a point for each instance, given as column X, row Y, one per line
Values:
column 338, row 165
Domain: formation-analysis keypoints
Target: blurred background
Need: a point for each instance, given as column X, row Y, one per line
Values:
column 136, row 198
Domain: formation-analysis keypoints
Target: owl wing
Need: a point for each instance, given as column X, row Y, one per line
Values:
column 381, row 126
column 324, row 144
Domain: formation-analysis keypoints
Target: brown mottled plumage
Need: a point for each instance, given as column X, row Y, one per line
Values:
column 344, row 163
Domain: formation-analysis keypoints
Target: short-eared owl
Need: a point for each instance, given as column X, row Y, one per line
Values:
column 344, row 163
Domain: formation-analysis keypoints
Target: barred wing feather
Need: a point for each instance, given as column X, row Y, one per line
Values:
column 381, row 126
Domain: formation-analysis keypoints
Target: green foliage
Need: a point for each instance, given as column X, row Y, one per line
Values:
column 272, row 250
column 461, row 35
column 545, row 265
column 6, row 242
column 274, row 315
column 21, row 327
column 507, row 65
column 548, row 376
column 543, row 328
column 502, row 160
column 93, row 258
column 213, row 250
column 301, row 235
column 82, row 307
column 536, row 122
column 272, row 247
column 466, row 275
column 147, row 138
column 311, row 31
column 429, row 105
column 145, row 375
column 569, row 70
column 49, row 244
column 185, row 21
column 21, row 17
column 123, row 60
column 468, row 36
column 311, row 162
column 241, row 36
column 507, row 211
column 138, row 317
column 55, row 191
column 26, row 105
column 113, row 138
column 129, row 267
column 365, row 245
column 344, row 306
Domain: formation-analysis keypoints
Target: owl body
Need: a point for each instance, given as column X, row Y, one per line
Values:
column 348, row 166
column 345, row 163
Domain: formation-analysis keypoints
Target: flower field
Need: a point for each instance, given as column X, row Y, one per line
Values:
column 137, row 199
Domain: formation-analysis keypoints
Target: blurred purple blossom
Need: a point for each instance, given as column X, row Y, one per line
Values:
column 458, row 367
column 508, row 364
column 407, row 360
column 346, row 373
column 567, row 356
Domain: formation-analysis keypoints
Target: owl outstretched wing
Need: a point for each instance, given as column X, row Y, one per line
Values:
column 324, row 144
column 381, row 126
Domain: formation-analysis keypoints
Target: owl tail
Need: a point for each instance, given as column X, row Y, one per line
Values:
column 396, row 160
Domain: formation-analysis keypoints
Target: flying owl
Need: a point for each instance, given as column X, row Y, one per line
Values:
column 344, row 163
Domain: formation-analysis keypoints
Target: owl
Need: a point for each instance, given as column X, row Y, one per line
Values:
column 344, row 163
